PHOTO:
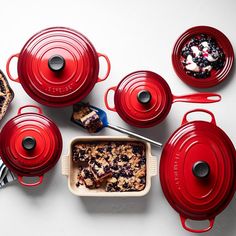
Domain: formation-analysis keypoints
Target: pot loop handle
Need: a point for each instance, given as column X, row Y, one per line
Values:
column 183, row 222
column 39, row 110
column 8, row 68
column 106, row 99
column 213, row 120
column 108, row 67
column 20, row 179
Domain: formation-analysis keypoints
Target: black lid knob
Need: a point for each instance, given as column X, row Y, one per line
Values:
column 201, row 169
column 144, row 96
column 29, row 143
column 56, row 63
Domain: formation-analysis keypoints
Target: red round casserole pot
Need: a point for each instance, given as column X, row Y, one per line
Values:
column 30, row 144
column 58, row 67
column 143, row 99
column 198, row 171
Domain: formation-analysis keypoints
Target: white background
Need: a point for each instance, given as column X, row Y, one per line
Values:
column 135, row 34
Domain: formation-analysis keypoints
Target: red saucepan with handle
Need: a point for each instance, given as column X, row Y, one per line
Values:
column 58, row 67
column 198, row 170
column 30, row 144
column 143, row 99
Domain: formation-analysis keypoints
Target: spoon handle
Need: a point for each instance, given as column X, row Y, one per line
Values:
column 125, row 131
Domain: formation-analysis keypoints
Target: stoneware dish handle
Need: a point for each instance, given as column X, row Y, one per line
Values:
column 198, row 98
column 8, row 68
column 185, row 120
column 20, row 179
column 108, row 67
column 183, row 221
column 65, row 165
column 39, row 110
column 106, row 99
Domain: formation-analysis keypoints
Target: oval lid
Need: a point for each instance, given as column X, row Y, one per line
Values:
column 30, row 143
column 197, row 169
column 143, row 98
column 58, row 65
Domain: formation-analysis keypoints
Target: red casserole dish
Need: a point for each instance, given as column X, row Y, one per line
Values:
column 198, row 170
column 58, row 67
column 30, row 144
column 143, row 99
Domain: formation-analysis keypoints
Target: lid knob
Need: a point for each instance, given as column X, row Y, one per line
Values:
column 144, row 96
column 201, row 169
column 56, row 63
column 29, row 143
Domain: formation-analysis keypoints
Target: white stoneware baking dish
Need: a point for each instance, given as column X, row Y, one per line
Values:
column 70, row 169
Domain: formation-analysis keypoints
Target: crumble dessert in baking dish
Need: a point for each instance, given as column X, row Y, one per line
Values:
column 113, row 166
column 6, row 95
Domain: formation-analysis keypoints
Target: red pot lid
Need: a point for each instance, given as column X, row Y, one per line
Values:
column 197, row 170
column 58, row 66
column 216, row 76
column 30, row 143
column 143, row 99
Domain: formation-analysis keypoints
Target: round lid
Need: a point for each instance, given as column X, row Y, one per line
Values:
column 217, row 76
column 30, row 143
column 58, row 66
column 143, row 98
column 197, row 169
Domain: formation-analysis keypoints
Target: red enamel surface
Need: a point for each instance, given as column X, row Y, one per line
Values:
column 135, row 113
column 46, row 152
column 191, row 197
column 67, row 86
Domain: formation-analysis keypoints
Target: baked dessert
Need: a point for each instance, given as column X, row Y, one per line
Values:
column 6, row 95
column 113, row 166
column 201, row 56
column 86, row 117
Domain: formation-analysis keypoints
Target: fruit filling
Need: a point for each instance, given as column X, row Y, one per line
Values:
column 201, row 56
column 111, row 166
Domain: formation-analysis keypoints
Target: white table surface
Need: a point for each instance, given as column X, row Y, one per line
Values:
column 136, row 34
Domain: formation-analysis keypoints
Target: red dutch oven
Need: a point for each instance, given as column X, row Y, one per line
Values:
column 58, row 67
column 143, row 99
column 30, row 144
column 198, row 170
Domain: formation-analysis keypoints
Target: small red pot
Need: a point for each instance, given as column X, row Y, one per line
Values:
column 198, row 170
column 216, row 77
column 30, row 144
column 58, row 67
column 143, row 99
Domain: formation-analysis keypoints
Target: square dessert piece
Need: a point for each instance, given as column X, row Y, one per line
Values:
column 88, row 178
column 81, row 154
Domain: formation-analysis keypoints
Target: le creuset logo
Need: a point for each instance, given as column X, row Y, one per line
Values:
column 59, row 90
column 176, row 171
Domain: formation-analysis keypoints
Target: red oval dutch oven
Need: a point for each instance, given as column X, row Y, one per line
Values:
column 58, row 67
column 198, row 171
column 143, row 99
column 30, row 144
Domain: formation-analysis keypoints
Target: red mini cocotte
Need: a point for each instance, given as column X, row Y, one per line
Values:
column 30, row 144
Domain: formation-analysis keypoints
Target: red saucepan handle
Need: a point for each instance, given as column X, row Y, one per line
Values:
column 198, row 98
column 8, row 68
column 213, row 120
column 183, row 221
column 108, row 67
column 39, row 110
column 106, row 99
column 20, row 179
